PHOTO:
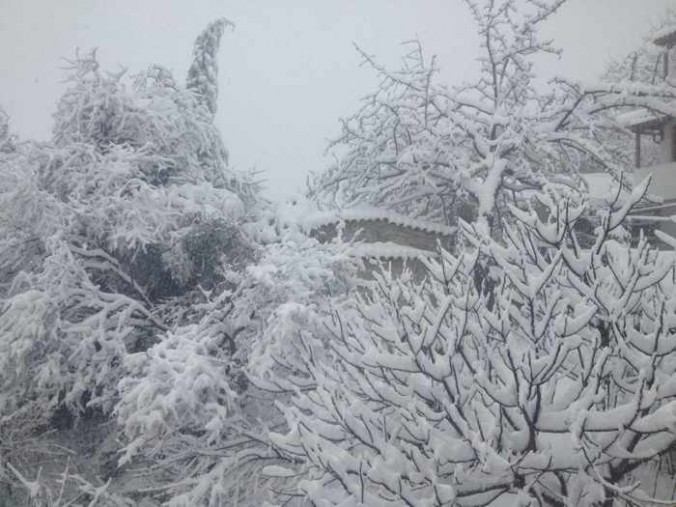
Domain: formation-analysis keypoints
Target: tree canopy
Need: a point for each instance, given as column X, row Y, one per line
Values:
column 421, row 147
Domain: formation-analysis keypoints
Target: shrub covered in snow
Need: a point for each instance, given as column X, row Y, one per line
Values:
column 188, row 406
column 554, row 384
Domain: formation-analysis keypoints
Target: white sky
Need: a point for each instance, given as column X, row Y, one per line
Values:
column 289, row 70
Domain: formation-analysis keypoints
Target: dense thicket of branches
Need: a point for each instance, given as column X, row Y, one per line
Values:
column 555, row 387
column 111, row 234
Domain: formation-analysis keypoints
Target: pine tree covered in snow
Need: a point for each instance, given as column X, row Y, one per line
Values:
column 423, row 149
column 554, row 387
column 203, row 73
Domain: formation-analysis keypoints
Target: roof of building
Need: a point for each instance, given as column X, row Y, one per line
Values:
column 666, row 37
column 642, row 120
column 324, row 218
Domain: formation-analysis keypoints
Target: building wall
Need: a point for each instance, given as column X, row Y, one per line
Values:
column 668, row 144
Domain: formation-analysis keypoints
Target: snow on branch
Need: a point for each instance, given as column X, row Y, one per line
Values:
column 443, row 153
column 548, row 377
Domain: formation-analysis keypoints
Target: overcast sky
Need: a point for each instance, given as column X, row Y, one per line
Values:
column 289, row 70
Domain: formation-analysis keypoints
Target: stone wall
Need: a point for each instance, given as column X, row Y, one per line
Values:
column 372, row 231
column 381, row 231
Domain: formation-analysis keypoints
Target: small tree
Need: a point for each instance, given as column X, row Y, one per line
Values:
column 554, row 387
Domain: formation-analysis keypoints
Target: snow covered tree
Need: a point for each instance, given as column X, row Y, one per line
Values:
column 647, row 65
column 421, row 148
column 203, row 73
column 138, row 271
column 112, row 235
column 556, row 387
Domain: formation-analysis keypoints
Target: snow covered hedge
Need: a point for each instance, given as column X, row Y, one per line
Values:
column 551, row 381
column 187, row 406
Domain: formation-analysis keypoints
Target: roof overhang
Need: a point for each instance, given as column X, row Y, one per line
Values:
column 644, row 122
column 666, row 37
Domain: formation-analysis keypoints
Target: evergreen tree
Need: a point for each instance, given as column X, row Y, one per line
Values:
column 203, row 73
column 6, row 138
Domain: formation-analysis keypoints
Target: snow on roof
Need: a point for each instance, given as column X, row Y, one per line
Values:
column 640, row 118
column 321, row 219
column 388, row 250
column 666, row 36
